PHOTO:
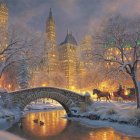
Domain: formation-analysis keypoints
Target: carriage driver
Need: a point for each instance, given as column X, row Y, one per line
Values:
column 120, row 90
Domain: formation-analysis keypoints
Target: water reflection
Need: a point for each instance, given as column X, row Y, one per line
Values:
column 56, row 128
column 107, row 134
column 53, row 124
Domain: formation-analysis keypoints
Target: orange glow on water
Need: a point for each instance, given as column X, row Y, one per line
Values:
column 52, row 123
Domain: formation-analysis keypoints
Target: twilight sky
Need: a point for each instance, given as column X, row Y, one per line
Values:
column 80, row 16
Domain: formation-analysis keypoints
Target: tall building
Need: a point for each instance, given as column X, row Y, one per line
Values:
column 86, row 51
column 42, row 72
column 3, row 25
column 68, row 60
column 81, row 73
column 51, row 52
column 3, row 14
column 63, row 65
column 3, row 38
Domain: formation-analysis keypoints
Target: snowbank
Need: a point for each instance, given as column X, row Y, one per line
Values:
column 123, row 117
column 128, row 130
column 40, row 106
column 2, row 90
column 114, row 112
column 9, row 114
column 8, row 117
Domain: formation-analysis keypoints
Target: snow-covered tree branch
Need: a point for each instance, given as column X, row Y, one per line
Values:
column 119, row 46
column 19, row 41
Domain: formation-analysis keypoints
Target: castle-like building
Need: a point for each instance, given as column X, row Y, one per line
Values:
column 68, row 52
column 62, row 65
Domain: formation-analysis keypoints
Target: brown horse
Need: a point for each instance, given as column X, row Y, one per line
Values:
column 101, row 94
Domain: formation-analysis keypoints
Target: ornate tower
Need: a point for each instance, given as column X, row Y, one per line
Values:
column 50, row 29
column 51, row 52
column 48, row 67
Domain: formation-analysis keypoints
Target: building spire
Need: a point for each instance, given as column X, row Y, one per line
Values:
column 2, row 3
column 50, row 14
column 51, row 32
column 67, row 31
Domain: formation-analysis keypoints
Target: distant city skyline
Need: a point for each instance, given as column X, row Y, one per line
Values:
column 80, row 16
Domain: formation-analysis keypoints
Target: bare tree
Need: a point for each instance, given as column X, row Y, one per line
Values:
column 119, row 47
column 17, row 41
column 57, row 79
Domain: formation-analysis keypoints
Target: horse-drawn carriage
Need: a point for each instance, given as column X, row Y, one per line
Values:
column 119, row 95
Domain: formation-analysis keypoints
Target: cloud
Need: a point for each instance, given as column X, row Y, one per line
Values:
column 28, row 14
column 109, row 8
column 70, row 8
column 81, row 16
column 125, row 7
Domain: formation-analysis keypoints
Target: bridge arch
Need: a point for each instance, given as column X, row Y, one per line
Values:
column 65, row 97
column 64, row 101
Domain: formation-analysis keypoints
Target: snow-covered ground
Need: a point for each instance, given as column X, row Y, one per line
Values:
column 123, row 117
column 8, row 117
column 122, row 128
column 40, row 106
column 9, row 114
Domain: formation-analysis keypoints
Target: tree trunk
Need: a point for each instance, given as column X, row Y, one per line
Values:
column 136, row 90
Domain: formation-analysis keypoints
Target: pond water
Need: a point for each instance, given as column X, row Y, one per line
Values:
column 57, row 128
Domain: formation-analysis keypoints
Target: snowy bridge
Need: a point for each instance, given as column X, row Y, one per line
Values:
column 66, row 98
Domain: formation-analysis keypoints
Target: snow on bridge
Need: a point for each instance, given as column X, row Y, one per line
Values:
column 66, row 98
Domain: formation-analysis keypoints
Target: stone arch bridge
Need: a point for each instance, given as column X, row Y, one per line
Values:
column 66, row 98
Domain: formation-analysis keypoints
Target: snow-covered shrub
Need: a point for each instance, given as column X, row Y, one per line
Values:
column 111, row 112
column 3, row 92
column 135, row 117
column 1, row 101
column 99, row 108
column 94, row 117
column 124, row 119
column 7, row 100
column 125, row 113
